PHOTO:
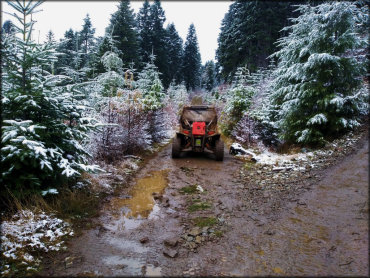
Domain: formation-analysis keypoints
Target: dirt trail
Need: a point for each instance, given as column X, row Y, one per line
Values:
column 322, row 231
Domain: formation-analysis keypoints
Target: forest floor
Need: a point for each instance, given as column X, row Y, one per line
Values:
column 198, row 216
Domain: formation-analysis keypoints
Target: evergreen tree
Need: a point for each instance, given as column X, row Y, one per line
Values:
column 110, row 138
column 191, row 61
column 43, row 123
column 145, row 31
column 86, row 40
column 315, row 91
column 50, row 38
column 151, row 87
column 158, row 40
column 154, row 38
column 106, row 44
column 208, row 76
column 248, row 33
column 124, row 31
column 175, row 54
column 67, row 48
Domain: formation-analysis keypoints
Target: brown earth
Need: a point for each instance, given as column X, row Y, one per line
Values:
column 230, row 225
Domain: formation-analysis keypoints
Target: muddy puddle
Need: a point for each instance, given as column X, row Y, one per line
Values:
column 139, row 203
column 113, row 249
column 129, row 212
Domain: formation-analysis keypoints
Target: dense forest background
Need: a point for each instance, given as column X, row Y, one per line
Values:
column 284, row 73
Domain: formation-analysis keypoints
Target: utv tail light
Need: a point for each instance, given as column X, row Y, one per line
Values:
column 211, row 132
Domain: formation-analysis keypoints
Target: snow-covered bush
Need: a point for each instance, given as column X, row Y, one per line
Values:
column 244, row 130
column 151, row 87
column 176, row 97
column 316, row 94
column 134, row 120
column 254, row 127
column 121, row 111
column 27, row 234
column 255, row 124
column 238, row 101
column 43, row 122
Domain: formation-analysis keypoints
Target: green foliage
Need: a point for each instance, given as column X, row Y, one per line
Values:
column 256, row 123
column 104, row 45
column 8, row 27
column 154, row 40
column 191, row 61
column 158, row 40
column 247, row 37
column 316, row 90
column 123, row 29
column 86, row 40
column 175, row 54
column 112, row 79
column 205, row 221
column 239, row 99
column 208, row 76
column 191, row 189
column 145, row 31
column 199, row 206
column 42, row 127
column 151, row 86
column 68, row 50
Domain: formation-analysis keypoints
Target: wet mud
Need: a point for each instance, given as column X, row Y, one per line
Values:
column 151, row 229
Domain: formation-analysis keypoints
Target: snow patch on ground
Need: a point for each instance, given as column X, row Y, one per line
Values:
column 299, row 161
column 28, row 232
column 49, row 191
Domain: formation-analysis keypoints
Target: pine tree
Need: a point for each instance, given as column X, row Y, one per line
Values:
column 43, row 125
column 145, row 32
column 208, row 76
column 255, row 123
column 105, row 44
column 151, row 88
column 110, row 138
column 175, row 54
column 86, row 40
column 248, row 33
column 191, row 61
column 158, row 39
column 50, row 38
column 123, row 28
column 154, row 38
column 315, row 92
column 67, row 48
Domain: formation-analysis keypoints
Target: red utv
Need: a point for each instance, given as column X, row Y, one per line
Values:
column 198, row 132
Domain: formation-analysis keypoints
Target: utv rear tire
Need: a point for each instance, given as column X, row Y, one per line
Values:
column 219, row 150
column 176, row 147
